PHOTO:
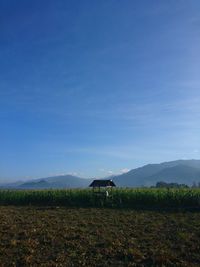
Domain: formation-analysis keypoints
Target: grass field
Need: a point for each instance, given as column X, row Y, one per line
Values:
column 58, row 236
column 120, row 198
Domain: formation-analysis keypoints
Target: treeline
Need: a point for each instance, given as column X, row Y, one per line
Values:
column 175, row 185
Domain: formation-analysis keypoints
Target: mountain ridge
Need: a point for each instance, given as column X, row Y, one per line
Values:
column 150, row 174
column 178, row 171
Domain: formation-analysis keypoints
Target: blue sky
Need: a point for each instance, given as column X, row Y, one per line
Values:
column 97, row 87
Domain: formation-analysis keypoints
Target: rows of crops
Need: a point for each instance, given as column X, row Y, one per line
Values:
column 118, row 198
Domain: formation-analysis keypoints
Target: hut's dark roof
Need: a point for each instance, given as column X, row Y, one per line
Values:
column 102, row 183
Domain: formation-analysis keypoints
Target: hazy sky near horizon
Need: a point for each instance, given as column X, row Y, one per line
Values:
column 97, row 87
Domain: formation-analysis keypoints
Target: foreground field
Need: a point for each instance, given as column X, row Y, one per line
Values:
column 44, row 236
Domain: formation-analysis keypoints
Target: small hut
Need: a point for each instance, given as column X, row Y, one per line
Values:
column 104, row 184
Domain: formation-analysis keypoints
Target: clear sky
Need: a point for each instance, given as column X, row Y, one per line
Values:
column 97, row 87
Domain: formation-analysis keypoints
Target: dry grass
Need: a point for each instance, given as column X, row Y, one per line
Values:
column 42, row 236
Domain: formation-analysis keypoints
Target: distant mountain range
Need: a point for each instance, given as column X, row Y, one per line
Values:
column 179, row 171
column 57, row 182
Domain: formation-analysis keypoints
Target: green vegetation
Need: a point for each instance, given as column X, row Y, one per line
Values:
column 58, row 236
column 118, row 198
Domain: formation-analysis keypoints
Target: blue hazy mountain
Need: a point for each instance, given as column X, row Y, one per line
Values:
column 57, row 182
column 63, row 181
column 179, row 171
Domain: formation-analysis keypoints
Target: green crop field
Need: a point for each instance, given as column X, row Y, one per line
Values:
column 118, row 198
